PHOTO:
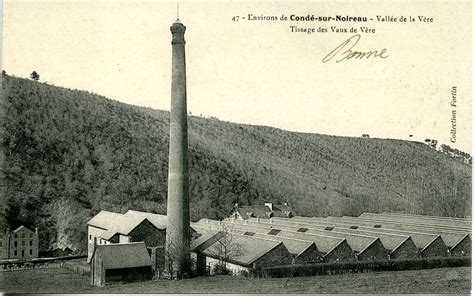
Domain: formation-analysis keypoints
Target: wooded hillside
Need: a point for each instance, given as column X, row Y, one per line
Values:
column 71, row 153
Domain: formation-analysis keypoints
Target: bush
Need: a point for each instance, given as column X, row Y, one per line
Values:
column 222, row 269
column 361, row 266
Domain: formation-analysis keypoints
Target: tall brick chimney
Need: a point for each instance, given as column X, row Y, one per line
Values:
column 178, row 227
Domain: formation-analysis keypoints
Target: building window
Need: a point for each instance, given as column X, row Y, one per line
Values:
column 1, row 244
column 31, row 243
column 16, row 235
column 23, row 235
column 15, row 244
column 22, row 243
column 274, row 231
column 31, row 235
column 31, row 252
column 22, row 253
column 15, row 253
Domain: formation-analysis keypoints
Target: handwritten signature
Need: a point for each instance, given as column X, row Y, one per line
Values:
column 344, row 51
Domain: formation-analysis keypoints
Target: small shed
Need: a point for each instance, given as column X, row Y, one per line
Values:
column 120, row 262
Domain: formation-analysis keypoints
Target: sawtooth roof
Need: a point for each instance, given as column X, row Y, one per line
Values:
column 324, row 243
column 355, row 237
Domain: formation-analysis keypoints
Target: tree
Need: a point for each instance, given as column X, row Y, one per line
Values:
column 35, row 76
column 226, row 247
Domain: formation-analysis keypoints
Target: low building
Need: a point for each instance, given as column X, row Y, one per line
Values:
column 112, row 228
column 22, row 243
column 265, row 211
column 120, row 262
column 333, row 249
column 243, row 252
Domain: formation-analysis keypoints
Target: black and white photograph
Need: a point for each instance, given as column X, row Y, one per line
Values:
column 236, row 147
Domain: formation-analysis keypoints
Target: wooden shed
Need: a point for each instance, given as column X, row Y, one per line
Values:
column 120, row 262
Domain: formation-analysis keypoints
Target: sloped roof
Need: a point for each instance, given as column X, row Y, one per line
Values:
column 258, row 211
column 248, row 249
column 371, row 222
column 108, row 234
column 450, row 236
column 294, row 245
column 356, row 237
column 22, row 227
column 420, row 239
column 263, row 211
column 390, row 241
column 115, row 221
column 421, row 220
column 282, row 208
column 156, row 219
column 207, row 238
column 324, row 243
column 357, row 242
column 123, row 255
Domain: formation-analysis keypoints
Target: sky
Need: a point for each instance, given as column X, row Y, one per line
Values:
column 259, row 72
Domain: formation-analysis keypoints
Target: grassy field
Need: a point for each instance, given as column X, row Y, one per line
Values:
column 60, row 280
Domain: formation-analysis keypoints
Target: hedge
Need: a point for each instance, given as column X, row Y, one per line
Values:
column 361, row 266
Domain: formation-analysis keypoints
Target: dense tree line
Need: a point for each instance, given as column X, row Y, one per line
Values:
column 71, row 153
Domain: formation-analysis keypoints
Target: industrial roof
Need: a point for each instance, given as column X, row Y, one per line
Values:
column 324, row 243
column 357, row 242
column 294, row 245
column 115, row 221
column 422, row 220
column 390, row 241
column 123, row 255
column 246, row 249
column 156, row 219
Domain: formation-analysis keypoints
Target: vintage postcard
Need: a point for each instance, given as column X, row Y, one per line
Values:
column 236, row 147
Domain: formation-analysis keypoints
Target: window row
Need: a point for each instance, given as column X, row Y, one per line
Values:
column 15, row 253
column 23, row 235
column 23, row 243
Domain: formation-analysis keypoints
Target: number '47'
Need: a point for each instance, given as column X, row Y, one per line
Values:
column 235, row 18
